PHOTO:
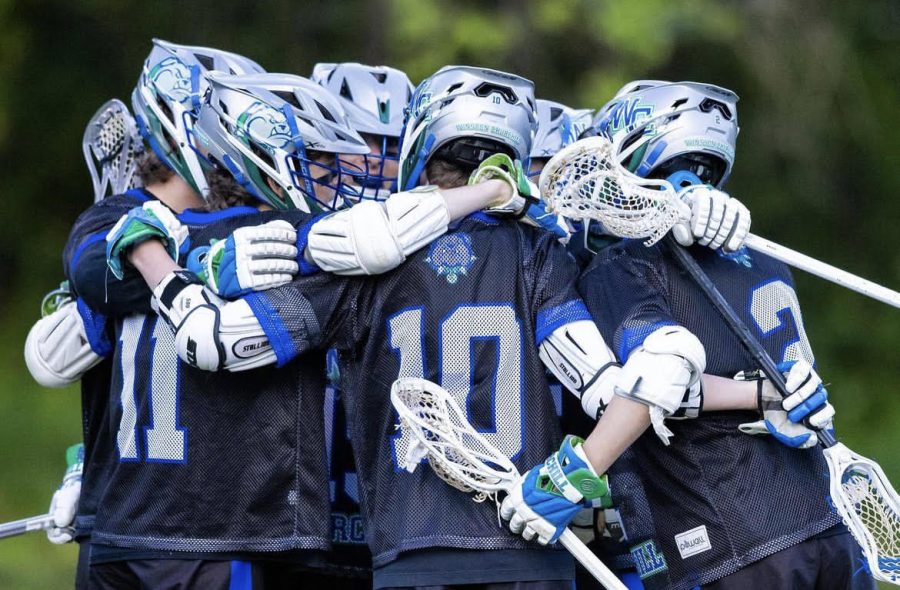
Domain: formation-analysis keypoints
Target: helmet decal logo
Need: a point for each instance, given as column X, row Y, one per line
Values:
column 626, row 114
column 172, row 78
column 266, row 125
column 451, row 256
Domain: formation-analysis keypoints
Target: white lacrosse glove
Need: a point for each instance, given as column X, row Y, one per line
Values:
column 525, row 201
column 64, row 504
column 664, row 373
column 250, row 259
column 151, row 221
column 548, row 497
column 793, row 420
column 716, row 220
column 57, row 349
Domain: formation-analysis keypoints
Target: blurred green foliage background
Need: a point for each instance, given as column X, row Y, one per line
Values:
column 818, row 157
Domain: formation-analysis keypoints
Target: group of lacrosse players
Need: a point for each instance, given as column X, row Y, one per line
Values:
column 267, row 254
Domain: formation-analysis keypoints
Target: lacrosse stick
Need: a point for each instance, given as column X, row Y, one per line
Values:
column 594, row 186
column 584, row 181
column 26, row 525
column 464, row 459
column 111, row 145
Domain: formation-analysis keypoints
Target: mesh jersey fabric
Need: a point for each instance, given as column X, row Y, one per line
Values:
column 716, row 499
column 202, row 462
column 349, row 551
column 464, row 312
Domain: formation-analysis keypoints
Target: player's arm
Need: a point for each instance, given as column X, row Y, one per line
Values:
column 86, row 267
column 210, row 333
column 374, row 237
column 271, row 327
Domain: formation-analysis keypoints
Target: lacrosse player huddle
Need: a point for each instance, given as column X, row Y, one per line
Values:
column 268, row 254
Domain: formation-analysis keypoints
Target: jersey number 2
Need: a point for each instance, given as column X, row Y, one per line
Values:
column 769, row 303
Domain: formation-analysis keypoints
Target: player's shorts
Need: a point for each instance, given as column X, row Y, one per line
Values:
column 176, row 573
column 83, row 568
column 539, row 585
column 218, row 575
column 825, row 562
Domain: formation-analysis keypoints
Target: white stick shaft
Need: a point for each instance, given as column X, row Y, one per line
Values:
column 825, row 271
column 26, row 525
column 590, row 561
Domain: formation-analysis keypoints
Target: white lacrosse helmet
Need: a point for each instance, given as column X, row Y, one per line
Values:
column 558, row 126
column 663, row 127
column 467, row 114
column 279, row 127
column 167, row 99
column 375, row 98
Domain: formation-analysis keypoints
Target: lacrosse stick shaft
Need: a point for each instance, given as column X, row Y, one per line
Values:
column 26, row 525
column 590, row 561
column 823, row 270
column 737, row 326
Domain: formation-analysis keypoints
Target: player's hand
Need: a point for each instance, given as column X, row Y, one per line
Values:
column 250, row 259
column 65, row 500
column 546, row 498
column 714, row 220
column 152, row 221
column 793, row 420
column 538, row 215
column 524, row 201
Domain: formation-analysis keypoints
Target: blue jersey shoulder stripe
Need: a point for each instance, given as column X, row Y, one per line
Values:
column 552, row 318
column 194, row 217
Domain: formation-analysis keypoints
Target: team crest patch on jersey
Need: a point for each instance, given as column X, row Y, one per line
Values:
column 451, row 256
column 740, row 256
column 648, row 560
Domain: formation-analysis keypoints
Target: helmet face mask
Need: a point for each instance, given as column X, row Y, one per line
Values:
column 660, row 127
column 281, row 137
column 374, row 98
column 466, row 103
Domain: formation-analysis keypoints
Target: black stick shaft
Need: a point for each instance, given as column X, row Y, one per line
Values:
column 737, row 326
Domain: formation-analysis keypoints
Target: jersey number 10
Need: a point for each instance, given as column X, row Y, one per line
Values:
column 458, row 334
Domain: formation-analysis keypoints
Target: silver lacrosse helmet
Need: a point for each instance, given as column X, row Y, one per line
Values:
column 664, row 127
column 558, row 126
column 111, row 146
column 465, row 114
column 281, row 137
column 375, row 98
column 167, row 99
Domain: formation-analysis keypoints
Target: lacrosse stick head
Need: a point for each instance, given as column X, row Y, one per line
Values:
column 584, row 181
column 111, row 146
column 870, row 507
column 457, row 453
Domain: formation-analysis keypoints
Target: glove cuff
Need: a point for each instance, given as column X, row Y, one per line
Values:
column 573, row 476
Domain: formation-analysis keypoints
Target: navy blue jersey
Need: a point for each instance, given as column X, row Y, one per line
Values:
column 206, row 463
column 466, row 312
column 716, row 499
